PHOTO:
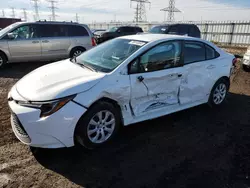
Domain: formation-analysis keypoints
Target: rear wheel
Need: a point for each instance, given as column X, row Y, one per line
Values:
column 98, row 126
column 76, row 52
column 219, row 92
column 3, row 60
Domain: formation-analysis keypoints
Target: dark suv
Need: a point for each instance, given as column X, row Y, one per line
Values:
column 177, row 29
column 117, row 32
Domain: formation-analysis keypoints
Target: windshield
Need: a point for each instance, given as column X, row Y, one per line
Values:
column 107, row 56
column 113, row 29
column 6, row 29
column 159, row 29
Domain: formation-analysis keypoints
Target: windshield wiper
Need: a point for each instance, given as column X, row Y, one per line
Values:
column 84, row 65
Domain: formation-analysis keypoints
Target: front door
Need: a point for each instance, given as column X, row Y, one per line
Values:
column 25, row 46
column 155, row 78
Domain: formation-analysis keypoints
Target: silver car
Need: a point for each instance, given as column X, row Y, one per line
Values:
column 43, row 41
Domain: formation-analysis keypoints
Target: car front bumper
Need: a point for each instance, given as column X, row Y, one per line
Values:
column 54, row 131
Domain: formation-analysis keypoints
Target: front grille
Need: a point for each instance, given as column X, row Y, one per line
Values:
column 18, row 129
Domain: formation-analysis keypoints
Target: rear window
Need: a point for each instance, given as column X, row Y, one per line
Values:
column 159, row 29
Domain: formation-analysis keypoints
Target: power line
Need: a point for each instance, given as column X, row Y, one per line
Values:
column 171, row 9
column 53, row 9
column 36, row 7
column 140, row 10
column 25, row 14
column 13, row 15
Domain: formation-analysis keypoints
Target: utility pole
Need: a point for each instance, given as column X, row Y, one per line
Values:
column 36, row 16
column 13, row 15
column 53, row 9
column 3, row 13
column 171, row 9
column 77, row 18
column 140, row 10
column 24, row 14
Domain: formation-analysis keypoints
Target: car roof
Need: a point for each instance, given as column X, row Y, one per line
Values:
column 155, row 37
column 53, row 22
column 185, row 24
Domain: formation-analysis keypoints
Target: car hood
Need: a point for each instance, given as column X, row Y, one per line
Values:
column 57, row 80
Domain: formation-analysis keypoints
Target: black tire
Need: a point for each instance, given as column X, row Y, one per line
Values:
column 81, row 134
column 75, row 50
column 211, row 100
column 3, row 60
column 246, row 68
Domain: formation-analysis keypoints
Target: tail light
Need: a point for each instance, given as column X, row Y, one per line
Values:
column 234, row 62
column 93, row 41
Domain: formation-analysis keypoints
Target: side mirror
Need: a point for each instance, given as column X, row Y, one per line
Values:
column 11, row 35
column 118, row 31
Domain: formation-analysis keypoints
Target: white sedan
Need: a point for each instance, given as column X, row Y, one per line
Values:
column 120, row 82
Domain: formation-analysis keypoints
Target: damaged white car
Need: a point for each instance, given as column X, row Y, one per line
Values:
column 120, row 82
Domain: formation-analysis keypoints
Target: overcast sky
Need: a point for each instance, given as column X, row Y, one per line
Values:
column 123, row 10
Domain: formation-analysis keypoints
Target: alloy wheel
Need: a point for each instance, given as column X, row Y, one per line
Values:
column 219, row 93
column 101, row 127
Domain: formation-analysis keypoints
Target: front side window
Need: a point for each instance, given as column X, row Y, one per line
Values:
column 107, row 56
column 194, row 52
column 25, row 32
column 159, row 29
column 113, row 29
column 163, row 56
column 173, row 30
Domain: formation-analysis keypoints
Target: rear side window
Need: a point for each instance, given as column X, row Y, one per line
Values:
column 127, row 29
column 138, row 29
column 77, row 31
column 194, row 52
column 211, row 53
column 51, row 30
column 183, row 29
column 194, row 31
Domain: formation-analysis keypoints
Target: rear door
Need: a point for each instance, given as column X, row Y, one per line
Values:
column 26, row 45
column 155, row 78
column 196, row 78
column 55, row 41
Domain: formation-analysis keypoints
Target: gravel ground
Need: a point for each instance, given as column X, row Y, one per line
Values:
column 199, row 147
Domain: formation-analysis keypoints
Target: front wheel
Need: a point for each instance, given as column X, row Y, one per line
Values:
column 219, row 92
column 246, row 68
column 98, row 126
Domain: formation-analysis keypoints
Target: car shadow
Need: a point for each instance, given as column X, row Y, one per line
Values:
column 198, row 147
column 18, row 70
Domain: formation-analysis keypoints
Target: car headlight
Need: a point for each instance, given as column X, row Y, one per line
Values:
column 49, row 107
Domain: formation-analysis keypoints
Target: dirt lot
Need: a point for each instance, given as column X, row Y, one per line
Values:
column 200, row 147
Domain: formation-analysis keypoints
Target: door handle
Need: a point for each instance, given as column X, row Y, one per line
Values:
column 45, row 41
column 35, row 41
column 211, row 67
column 140, row 78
